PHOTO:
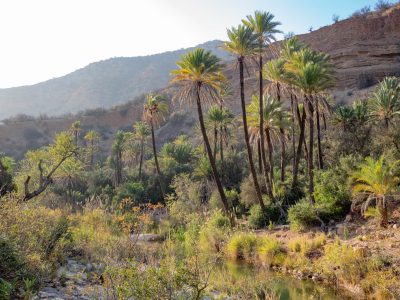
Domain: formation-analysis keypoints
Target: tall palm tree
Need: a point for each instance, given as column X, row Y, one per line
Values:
column 76, row 129
column 290, row 46
column 142, row 131
column 91, row 138
column 243, row 44
column 275, row 72
column 378, row 178
column 200, row 79
column 311, row 73
column 264, row 28
column 274, row 119
column 214, row 121
column 154, row 111
column 218, row 120
column 385, row 102
column 117, row 149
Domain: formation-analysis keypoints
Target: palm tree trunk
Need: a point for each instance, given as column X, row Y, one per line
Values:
column 246, row 135
column 262, row 141
column 270, row 154
column 160, row 177
column 282, row 138
column 221, row 145
column 260, row 167
column 302, row 123
column 293, row 133
column 141, row 159
column 383, row 212
column 311, row 148
column 211, row 157
column 320, row 158
column 215, row 142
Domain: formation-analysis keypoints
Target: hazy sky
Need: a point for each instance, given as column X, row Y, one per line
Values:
column 42, row 39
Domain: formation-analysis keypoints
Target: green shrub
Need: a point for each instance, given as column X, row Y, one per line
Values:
column 302, row 214
column 214, row 233
column 243, row 246
column 133, row 191
column 270, row 250
column 257, row 218
column 332, row 193
column 305, row 245
column 11, row 265
column 6, row 289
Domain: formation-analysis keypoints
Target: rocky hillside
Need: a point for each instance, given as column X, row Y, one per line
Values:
column 101, row 84
column 363, row 49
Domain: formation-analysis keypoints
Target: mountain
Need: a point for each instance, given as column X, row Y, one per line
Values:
column 364, row 49
column 100, row 84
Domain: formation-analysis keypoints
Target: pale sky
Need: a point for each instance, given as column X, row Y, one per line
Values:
column 43, row 39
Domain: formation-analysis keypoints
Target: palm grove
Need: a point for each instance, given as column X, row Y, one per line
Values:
column 291, row 131
column 290, row 156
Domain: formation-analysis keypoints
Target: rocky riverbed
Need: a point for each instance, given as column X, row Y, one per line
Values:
column 74, row 281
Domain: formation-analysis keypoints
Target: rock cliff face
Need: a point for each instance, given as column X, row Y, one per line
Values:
column 363, row 49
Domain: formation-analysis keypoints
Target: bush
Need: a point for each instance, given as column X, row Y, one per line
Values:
column 270, row 251
column 97, row 237
column 302, row 215
column 305, row 246
column 243, row 246
column 382, row 5
column 133, row 191
column 332, row 193
column 362, row 12
column 257, row 218
column 6, row 289
column 214, row 233
column 11, row 265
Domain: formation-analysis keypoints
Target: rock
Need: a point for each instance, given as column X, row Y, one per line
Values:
column 340, row 229
column 148, row 237
column 348, row 218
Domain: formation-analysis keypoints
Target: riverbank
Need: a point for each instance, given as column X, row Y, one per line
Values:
column 353, row 257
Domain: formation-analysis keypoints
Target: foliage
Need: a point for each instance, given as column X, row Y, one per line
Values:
column 133, row 191
column 214, row 233
column 257, row 218
column 187, row 199
column 243, row 246
column 332, row 193
column 302, row 215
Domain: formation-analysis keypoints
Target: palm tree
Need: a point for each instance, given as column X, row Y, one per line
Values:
column 264, row 28
column 91, row 138
column 117, row 149
column 214, row 121
column 385, row 103
column 378, row 178
column 311, row 73
column 290, row 46
column 75, row 130
column 274, row 119
column 154, row 111
column 219, row 119
column 360, row 109
column 243, row 43
column 343, row 117
column 275, row 72
column 200, row 78
column 142, row 131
